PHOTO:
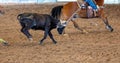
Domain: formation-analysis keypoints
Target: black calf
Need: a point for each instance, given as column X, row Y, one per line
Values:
column 37, row 22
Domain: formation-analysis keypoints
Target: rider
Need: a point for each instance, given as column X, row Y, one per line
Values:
column 92, row 4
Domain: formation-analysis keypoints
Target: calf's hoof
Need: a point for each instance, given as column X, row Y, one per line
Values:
column 5, row 43
column 84, row 31
column 65, row 34
column 31, row 39
column 40, row 43
column 55, row 42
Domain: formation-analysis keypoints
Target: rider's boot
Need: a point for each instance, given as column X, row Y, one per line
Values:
column 95, row 13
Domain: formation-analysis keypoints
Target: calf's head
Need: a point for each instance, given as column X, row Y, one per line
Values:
column 61, row 26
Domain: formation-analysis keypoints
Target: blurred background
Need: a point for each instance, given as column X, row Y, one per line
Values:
column 49, row 1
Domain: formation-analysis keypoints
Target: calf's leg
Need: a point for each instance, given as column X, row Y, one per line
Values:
column 26, row 32
column 45, row 35
column 51, row 36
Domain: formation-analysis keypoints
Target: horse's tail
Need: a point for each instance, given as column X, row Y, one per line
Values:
column 56, row 11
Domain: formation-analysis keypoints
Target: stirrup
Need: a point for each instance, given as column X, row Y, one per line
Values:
column 96, row 13
column 83, row 6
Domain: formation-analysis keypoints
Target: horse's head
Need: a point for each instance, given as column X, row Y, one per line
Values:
column 61, row 26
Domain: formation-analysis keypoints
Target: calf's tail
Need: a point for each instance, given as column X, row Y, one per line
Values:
column 19, row 16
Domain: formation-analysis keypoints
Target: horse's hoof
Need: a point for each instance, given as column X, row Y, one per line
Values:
column 55, row 42
column 110, row 28
column 84, row 31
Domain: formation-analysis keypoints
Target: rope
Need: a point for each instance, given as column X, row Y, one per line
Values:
column 74, row 12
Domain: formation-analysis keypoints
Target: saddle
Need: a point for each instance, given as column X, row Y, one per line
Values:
column 89, row 12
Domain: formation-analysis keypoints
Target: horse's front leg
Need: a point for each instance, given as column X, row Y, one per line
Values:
column 51, row 36
column 45, row 35
column 105, row 20
column 26, row 32
column 77, row 27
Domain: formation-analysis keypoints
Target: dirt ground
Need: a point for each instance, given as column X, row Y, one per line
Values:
column 98, row 46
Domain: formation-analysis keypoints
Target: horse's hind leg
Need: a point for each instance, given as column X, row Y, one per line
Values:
column 51, row 36
column 77, row 27
column 108, row 26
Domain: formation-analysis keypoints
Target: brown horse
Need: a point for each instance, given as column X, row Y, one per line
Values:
column 68, row 11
